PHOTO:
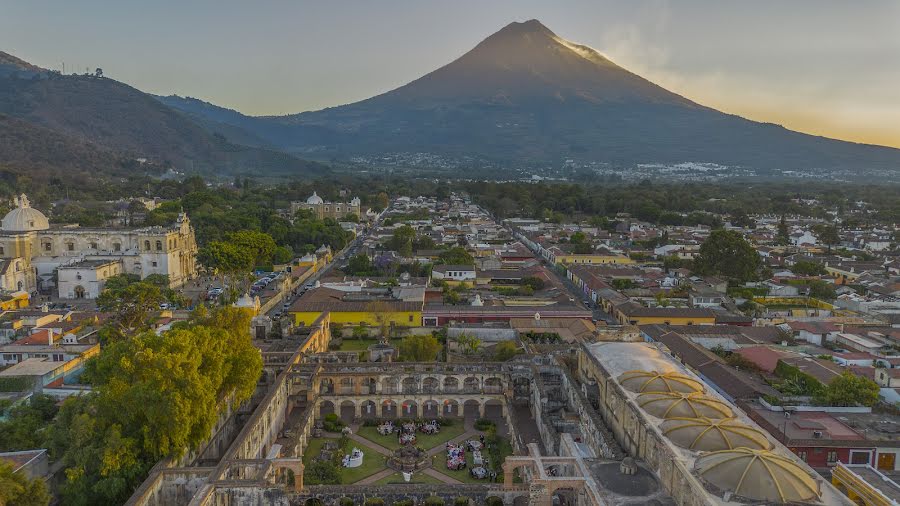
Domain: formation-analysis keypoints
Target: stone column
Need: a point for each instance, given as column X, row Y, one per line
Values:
column 298, row 476
column 507, row 475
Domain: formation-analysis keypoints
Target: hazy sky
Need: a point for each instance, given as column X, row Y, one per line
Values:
column 828, row 67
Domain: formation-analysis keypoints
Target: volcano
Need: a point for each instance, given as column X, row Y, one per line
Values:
column 525, row 94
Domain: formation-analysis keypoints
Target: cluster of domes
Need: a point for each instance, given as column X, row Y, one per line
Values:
column 24, row 218
column 736, row 457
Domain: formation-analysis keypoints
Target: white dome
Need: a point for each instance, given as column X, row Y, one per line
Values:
column 314, row 199
column 24, row 218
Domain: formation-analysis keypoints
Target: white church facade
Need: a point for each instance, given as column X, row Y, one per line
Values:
column 32, row 252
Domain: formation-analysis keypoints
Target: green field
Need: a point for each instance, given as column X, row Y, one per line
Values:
column 426, row 441
column 373, row 461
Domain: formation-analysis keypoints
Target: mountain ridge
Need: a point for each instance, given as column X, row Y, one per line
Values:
column 121, row 120
column 525, row 94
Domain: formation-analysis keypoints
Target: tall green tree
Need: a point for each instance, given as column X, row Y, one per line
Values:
column 154, row 396
column 456, row 256
column 726, row 253
column 783, row 237
column 849, row 390
column 16, row 489
column 827, row 235
column 419, row 348
column 131, row 302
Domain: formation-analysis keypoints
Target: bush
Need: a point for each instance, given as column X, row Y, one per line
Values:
column 461, row 501
column 322, row 473
column 433, row 501
column 404, row 502
column 375, row 501
column 332, row 423
column 483, row 424
column 345, row 501
column 493, row 501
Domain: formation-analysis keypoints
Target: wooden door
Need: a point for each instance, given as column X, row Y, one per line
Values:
column 886, row 461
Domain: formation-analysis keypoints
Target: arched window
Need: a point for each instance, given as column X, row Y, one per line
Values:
column 70, row 246
column 117, row 246
column 147, row 245
column 158, row 245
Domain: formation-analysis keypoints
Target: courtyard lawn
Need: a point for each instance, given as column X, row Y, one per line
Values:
column 416, row 478
column 426, row 441
column 439, row 464
column 373, row 461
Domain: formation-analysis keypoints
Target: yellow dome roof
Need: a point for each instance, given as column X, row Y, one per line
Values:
column 655, row 381
column 683, row 405
column 712, row 435
column 757, row 474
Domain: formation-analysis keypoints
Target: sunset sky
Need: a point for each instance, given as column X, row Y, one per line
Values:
column 825, row 67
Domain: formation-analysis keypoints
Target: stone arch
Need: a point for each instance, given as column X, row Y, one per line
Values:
column 431, row 409
column 521, row 500
column 430, row 385
column 348, row 411
column 370, row 386
column 390, row 385
column 493, row 385
column 471, row 409
column 326, row 386
column 471, row 385
column 389, row 409
column 410, row 385
column 564, row 496
column 493, row 408
column 346, row 385
column 326, row 408
column 450, row 408
column 451, row 384
column 368, row 409
column 410, row 409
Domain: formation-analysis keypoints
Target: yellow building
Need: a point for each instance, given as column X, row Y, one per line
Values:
column 597, row 258
column 347, row 308
column 631, row 313
column 17, row 300
column 322, row 209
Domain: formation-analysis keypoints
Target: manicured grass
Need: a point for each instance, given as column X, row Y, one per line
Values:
column 426, row 441
column 416, row 478
column 439, row 464
column 373, row 461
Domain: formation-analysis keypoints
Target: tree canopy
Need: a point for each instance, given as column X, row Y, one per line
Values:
column 154, row 396
column 456, row 256
column 419, row 348
column 16, row 489
column 726, row 253
column 849, row 390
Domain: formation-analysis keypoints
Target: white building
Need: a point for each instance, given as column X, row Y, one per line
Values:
column 464, row 273
column 35, row 249
column 85, row 279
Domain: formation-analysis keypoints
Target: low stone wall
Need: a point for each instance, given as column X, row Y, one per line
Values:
column 331, row 494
